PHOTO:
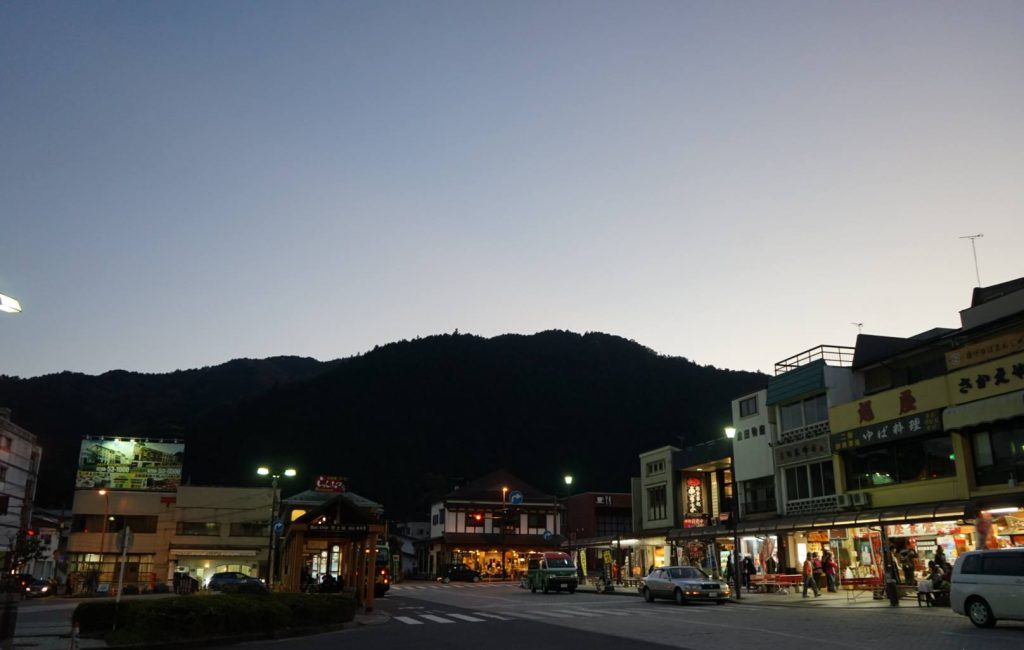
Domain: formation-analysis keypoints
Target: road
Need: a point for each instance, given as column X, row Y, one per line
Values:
column 500, row 616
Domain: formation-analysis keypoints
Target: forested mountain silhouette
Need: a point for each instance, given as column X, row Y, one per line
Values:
column 403, row 422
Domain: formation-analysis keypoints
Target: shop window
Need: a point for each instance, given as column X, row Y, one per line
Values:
column 805, row 412
column 807, row 481
column 916, row 459
column 656, row 503
column 748, row 407
column 198, row 528
column 249, row 529
column 759, row 495
column 999, row 454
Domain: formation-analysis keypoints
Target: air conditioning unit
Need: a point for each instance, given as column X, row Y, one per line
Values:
column 861, row 498
column 844, row 501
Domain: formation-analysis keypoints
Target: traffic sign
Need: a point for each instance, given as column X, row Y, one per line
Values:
column 515, row 497
column 278, row 527
column 548, row 535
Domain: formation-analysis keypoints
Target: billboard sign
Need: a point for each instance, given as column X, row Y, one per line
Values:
column 330, row 483
column 130, row 464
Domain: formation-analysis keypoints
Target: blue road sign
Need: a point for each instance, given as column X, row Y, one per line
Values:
column 515, row 497
column 278, row 527
column 548, row 535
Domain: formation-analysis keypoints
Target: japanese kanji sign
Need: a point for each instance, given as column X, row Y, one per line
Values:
column 889, row 405
column 987, row 379
column 904, row 427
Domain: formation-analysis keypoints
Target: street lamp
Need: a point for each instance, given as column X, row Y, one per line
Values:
column 565, row 528
column 103, row 529
column 272, row 546
column 9, row 305
column 734, row 514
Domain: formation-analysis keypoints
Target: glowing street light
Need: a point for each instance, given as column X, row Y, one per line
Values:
column 9, row 304
column 730, row 433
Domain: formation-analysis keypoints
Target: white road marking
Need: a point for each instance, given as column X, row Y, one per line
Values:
column 436, row 619
column 575, row 612
column 407, row 620
column 500, row 618
column 551, row 614
column 464, row 617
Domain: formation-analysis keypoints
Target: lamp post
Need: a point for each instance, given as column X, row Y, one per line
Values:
column 730, row 433
column 103, row 529
column 272, row 546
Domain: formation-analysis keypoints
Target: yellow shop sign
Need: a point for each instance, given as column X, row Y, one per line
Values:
column 983, row 351
column 987, row 379
column 889, row 405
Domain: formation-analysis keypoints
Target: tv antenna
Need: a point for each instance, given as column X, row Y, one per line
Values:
column 974, row 250
column 860, row 327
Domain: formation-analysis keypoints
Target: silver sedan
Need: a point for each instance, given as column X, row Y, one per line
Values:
column 683, row 584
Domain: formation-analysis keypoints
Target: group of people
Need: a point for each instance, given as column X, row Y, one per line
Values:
column 814, row 567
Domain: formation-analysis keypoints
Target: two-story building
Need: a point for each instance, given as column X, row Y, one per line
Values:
column 491, row 524
column 195, row 531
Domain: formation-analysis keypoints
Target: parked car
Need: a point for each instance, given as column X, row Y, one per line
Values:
column 460, row 572
column 39, row 588
column 230, row 580
column 683, row 584
column 989, row 585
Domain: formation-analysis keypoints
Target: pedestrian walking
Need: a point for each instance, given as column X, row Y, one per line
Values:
column 749, row 569
column 809, row 580
column 829, row 566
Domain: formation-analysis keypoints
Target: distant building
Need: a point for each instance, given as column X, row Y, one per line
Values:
column 51, row 528
column 491, row 524
column 19, row 472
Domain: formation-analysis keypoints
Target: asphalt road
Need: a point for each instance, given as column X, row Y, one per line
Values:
column 501, row 616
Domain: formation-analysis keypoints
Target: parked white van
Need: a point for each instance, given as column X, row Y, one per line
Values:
column 989, row 585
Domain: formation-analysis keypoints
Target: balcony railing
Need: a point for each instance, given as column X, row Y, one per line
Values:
column 804, row 433
column 813, row 505
column 834, row 355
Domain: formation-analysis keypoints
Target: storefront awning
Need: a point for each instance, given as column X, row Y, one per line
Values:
column 887, row 516
column 993, row 409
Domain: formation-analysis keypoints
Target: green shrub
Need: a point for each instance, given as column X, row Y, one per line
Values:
column 208, row 616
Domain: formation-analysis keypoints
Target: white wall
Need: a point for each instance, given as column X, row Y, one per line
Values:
column 753, row 454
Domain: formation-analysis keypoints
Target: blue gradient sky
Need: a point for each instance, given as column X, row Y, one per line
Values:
column 182, row 183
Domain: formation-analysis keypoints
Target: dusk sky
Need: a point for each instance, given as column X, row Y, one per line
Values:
column 183, row 183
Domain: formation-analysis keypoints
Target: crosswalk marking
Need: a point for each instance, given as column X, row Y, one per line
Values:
column 575, row 612
column 552, row 614
column 495, row 616
column 464, row 617
column 436, row 619
column 408, row 621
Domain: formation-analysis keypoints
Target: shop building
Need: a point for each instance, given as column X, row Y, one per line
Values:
column 194, row 531
column 597, row 522
column 332, row 534
column 51, row 528
column 491, row 524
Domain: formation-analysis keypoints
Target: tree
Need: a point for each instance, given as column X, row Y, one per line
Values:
column 25, row 546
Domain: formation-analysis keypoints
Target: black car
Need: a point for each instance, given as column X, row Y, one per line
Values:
column 234, row 581
column 39, row 588
column 460, row 572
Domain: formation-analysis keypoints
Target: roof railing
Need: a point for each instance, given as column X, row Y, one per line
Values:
column 833, row 355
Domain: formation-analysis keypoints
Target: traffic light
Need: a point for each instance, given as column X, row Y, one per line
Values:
column 31, row 532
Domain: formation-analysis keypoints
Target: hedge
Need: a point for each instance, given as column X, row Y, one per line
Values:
column 201, row 616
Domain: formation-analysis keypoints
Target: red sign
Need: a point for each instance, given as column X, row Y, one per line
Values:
column 330, row 484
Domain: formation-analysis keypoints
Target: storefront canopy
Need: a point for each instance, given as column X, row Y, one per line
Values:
column 887, row 516
column 993, row 409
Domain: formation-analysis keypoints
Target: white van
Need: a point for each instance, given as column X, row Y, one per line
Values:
column 989, row 585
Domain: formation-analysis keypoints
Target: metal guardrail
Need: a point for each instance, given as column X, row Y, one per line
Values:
column 833, row 355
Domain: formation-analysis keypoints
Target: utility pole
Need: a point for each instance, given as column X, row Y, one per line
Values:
column 974, row 250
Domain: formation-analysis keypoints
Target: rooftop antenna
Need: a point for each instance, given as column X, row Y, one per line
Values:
column 974, row 250
column 860, row 327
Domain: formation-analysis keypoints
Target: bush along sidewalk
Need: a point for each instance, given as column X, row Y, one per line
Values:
column 203, row 616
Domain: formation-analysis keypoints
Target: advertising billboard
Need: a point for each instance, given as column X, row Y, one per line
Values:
column 130, row 464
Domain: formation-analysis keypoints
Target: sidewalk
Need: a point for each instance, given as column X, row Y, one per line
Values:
column 841, row 600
